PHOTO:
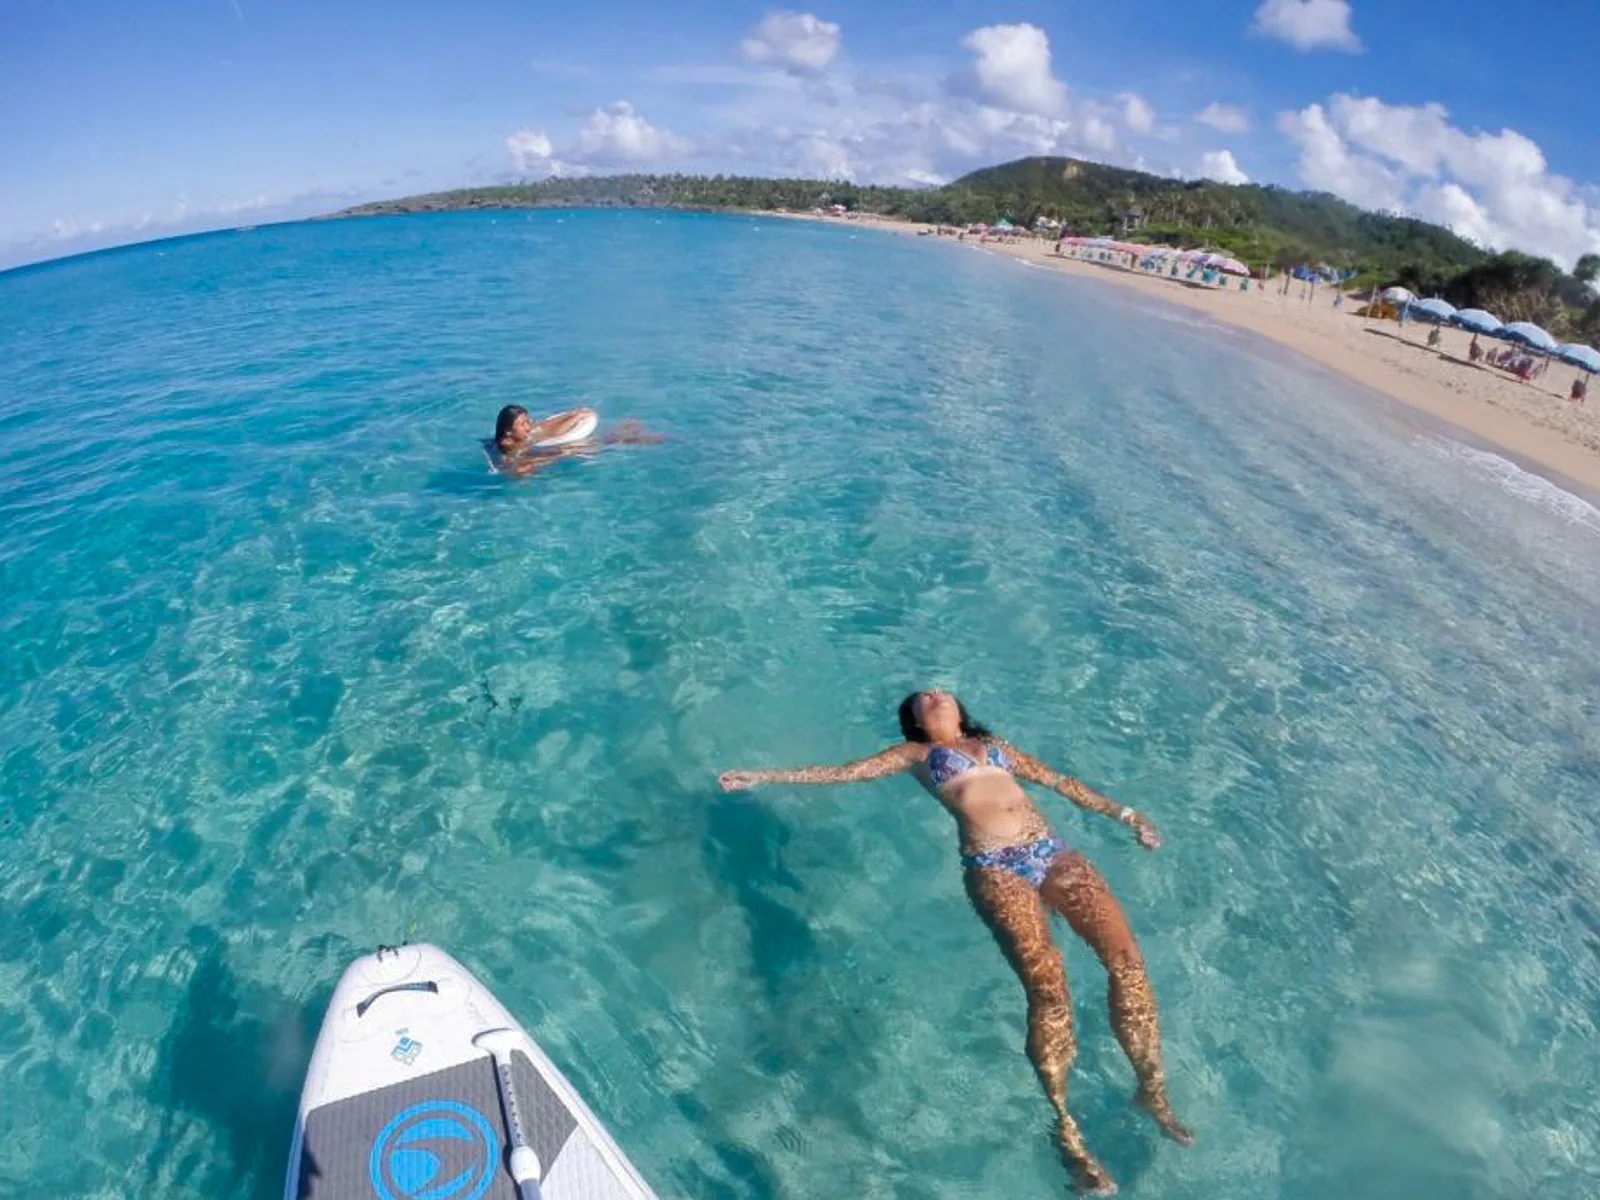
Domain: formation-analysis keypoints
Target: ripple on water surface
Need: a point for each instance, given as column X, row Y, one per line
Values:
column 286, row 673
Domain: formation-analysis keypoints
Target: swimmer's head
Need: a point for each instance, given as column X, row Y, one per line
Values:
column 937, row 716
column 512, row 426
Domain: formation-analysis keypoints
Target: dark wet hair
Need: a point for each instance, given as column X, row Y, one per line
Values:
column 507, row 418
column 913, row 731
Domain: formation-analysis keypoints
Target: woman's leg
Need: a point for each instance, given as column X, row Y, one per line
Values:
column 1011, row 908
column 1076, row 890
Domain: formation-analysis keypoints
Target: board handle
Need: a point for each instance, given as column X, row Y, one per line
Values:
column 426, row 985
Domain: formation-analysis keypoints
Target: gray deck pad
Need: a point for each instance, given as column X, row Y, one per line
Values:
column 437, row 1137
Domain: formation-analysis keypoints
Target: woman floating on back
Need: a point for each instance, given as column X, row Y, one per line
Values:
column 522, row 445
column 1017, row 873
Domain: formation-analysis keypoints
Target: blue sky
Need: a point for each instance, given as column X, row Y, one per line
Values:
column 120, row 121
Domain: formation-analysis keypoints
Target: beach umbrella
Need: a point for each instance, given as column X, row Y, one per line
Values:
column 1476, row 320
column 1399, row 295
column 1231, row 266
column 1435, row 310
column 1528, row 334
column 1586, row 357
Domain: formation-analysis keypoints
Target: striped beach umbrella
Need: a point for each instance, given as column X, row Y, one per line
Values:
column 1528, row 334
column 1476, row 320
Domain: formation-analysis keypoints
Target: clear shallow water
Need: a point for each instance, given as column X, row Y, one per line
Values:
column 284, row 673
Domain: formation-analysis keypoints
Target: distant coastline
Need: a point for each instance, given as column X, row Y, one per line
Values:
column 412, row 205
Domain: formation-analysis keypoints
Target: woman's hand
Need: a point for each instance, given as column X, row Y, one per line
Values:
column 738, row 781
column 1144, row 829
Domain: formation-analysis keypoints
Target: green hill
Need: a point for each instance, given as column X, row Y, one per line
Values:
column 1260, row 224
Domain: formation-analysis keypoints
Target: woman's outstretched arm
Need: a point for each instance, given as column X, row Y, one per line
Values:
column 886, row 762
column 1084, row 796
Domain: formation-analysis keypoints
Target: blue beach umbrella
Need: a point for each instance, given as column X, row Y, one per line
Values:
column 1528, row 334
column 1435, row 310
column 1476, row 320
column 1586, row 357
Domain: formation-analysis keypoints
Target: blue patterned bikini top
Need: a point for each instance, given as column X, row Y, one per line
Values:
column 946, row 762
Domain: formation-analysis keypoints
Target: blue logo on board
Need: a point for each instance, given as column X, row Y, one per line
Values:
column 436, row 1150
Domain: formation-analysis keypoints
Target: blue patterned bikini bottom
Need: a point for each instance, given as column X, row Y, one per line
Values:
column 1030, row 861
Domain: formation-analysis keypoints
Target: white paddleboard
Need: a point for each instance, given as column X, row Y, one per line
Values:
column 404, row 1101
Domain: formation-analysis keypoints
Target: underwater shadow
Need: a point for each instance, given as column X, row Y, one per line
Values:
column 234, row 1060
column 741, row 848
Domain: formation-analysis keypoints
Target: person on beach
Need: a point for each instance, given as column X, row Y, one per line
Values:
column 521, row 444
column 1580, row 390
column 1434, row 338
column 1017, row 872
column 1474, row 351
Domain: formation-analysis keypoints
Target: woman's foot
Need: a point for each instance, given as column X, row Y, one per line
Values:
column 1089, row 1178
column 1154, row 1101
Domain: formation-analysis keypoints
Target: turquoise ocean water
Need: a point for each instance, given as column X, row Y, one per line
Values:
column 284, row 673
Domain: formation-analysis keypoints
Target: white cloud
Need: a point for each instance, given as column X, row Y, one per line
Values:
column 879, row 136
column 1013, row 69
column 1098, row 133
column 530, row 151
column 1495, row 188
column 1327, row 164
column 818, row 156
column 69, row 235
column 1452, row 205
column 794, row 41
column 233, row 208
column 616, row 135
column 1137, row 114
column 1308, row 24
column 1219, row 165
column 1224, row 118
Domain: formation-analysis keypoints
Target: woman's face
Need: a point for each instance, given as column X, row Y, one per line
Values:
column 521, row 428
column 938, row 711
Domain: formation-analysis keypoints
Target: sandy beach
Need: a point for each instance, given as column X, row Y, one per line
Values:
column 1534, row 422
